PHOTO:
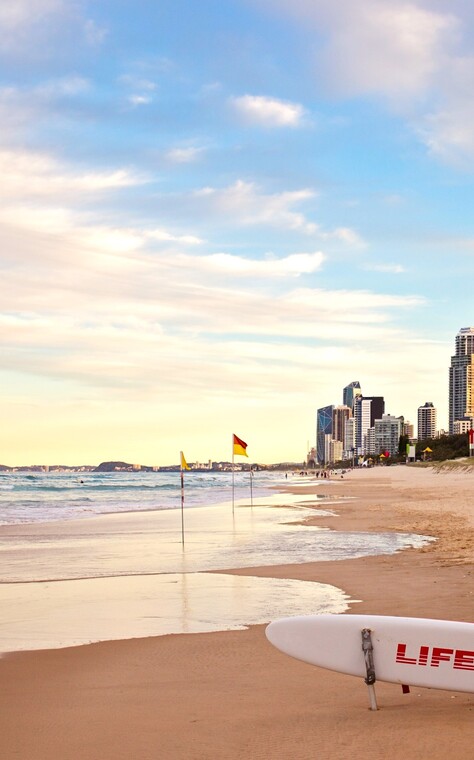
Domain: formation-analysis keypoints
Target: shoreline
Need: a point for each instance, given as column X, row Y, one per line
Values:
column 229, row 694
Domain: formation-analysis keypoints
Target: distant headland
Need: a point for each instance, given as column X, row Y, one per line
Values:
column 116, row 466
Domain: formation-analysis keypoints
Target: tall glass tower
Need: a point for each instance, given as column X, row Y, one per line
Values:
column 324, row 428
column 461, row 377
column 350, row 393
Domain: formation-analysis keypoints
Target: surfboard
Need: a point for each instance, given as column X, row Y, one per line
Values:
column 437, row 654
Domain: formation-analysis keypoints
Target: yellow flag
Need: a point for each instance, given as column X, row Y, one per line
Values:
column 184, row 464
column 240, row 447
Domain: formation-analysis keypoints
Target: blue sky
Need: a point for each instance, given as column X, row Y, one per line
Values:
column 216, row 215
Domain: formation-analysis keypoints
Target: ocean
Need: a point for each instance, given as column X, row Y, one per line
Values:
column 86, row 557
column 42, row 497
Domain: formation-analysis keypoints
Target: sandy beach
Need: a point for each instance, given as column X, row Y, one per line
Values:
column 229, row 695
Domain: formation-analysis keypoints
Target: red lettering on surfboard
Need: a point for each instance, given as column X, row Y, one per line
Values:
column 440, row 654
column 401, row 655
column 463, row 658
column 423, row 658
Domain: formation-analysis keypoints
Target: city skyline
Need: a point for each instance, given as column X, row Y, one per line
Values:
column 360, row 426
column 215, row 214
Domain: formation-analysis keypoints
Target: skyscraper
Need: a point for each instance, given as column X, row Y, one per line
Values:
column 387, row 431
column 426, row 421
column 324, row 425
column 461, row 377
column 340, row 415
column 366, row 411
column 350, row 392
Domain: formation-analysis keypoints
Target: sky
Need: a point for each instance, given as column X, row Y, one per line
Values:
column 216, row 215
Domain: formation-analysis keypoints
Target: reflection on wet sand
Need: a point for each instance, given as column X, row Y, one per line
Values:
column 127, row 575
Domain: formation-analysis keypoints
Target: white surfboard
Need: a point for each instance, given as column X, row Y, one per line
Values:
column 437, row 654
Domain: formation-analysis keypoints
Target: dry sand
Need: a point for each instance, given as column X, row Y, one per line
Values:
column 231, row 695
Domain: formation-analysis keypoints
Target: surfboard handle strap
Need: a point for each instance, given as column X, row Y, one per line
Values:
column 368, row 650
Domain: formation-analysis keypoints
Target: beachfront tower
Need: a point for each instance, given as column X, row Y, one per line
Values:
column 366, row 411
column 461, row 377
column 340, row 416
column 426, row 421
column 324, row 434
column 387, row 432
column 349, row 393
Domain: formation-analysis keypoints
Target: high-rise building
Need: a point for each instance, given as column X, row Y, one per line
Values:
column 335, row 451
column 387, row 432
column 324, row 422
column 349, row 438
column 349, row 393
column 426, row 421
column 367, row 409
column 461, row 377
column 339, row 417
column 464, row 425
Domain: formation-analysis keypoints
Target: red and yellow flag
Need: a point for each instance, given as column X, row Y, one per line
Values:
column 184, row 464
column 240, row 447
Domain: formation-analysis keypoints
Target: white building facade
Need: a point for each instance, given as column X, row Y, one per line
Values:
column 427, row 420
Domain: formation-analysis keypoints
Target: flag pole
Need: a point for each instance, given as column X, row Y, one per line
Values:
column 182, row 498
column 251, row 487
column 232, row 474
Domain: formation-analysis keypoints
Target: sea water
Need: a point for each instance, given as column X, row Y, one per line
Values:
column 93, row 556
column 41, row 497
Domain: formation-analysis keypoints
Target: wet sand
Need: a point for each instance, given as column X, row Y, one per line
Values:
column 231, row 695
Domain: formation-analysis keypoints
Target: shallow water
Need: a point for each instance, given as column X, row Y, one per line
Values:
column 69, row 613
column 215, row 538
column 129, row 575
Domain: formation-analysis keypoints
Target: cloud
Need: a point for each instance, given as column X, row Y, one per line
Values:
column 139, row 100
column 393, row 48
column 293, row 265
column 447, row 133
column 268, row 112
column 94, row 33
column 185, row 155
column 16, row 14
column 28, row 174
column 29, row 27
column 414, row 56
column 244, row 201
column 142, row 89
column 389, row 268
column 64, row 86
column 165, row 236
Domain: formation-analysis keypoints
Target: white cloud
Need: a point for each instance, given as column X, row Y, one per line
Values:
column 244, row 201
column 94, row 33
column 389, row 268
column 414, row 55
column 184, row 155
column 15, row 14
column 139, row 100
column 293, row 265
column 393, row 48
column 345, row 235
column 28, row 174
column 268, row 112
column 64, row 86
column 141, row 87
column 447, row 132
column 165, row 236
